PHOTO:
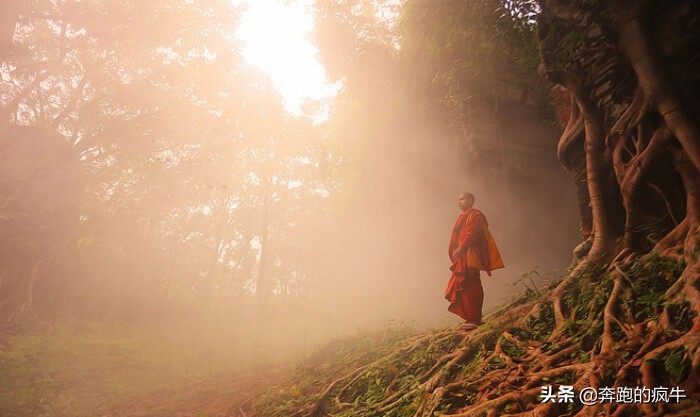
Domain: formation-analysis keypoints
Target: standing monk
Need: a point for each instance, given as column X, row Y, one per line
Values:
column 472, row 249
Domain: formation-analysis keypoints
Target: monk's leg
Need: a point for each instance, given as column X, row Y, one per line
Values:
column 458, row 306
column 472, row 296
column 453, row 294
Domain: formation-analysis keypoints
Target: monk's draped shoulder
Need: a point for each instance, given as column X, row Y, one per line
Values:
column 472, row 232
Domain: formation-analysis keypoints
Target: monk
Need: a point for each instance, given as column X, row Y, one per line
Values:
column 472, row 249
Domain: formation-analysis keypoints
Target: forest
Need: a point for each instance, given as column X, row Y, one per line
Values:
column 241, row 208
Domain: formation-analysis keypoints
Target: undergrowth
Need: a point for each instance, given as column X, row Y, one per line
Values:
column 591, row 329
column 72, row 367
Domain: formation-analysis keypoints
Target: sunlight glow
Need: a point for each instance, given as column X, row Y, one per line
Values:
column 275, row 34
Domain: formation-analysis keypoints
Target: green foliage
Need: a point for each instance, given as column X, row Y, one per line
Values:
column 588, row 293
column 510, row 349
column 341, row 357
column 77, row 367
column 370, row 390
column 569, row 40
column 681, row 315
column 677, row 364
column 457, row 50
column 473, row 364
column 616, row 332
column 582, row 357
column 572, row 327
column 591, row 335
column 674, row 364
column 566, row 378
column 495, row 363
column 155, row 158
column 541, row 326
column 651, row 278
column 527, row 281
column 656, row 228
column 580, row 252
column 408, row 408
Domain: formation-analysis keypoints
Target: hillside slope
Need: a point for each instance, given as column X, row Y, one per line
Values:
column 620, row 327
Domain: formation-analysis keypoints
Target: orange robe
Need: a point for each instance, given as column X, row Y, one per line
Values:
column 464, row 290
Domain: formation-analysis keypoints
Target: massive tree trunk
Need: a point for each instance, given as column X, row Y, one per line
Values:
column 624, row 317
column 629, row 67
column 634, row 119
column 596, row 173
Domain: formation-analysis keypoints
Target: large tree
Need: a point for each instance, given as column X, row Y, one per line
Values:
column 626, row 316
column 148, row 166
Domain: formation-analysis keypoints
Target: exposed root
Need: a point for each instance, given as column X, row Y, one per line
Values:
column 500, row 368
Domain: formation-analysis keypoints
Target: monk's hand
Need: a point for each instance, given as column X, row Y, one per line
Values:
column 458, row 253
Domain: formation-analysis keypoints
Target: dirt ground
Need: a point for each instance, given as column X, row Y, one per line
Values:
column 227, row 396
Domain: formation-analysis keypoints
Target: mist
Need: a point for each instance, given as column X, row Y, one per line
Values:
column 159, row 192
column 392, row 244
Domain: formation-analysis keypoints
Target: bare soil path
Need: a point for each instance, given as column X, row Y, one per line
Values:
column 227, row 396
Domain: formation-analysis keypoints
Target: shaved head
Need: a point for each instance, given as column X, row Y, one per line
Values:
column 465, row 200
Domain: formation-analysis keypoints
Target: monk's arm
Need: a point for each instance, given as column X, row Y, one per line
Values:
column 473, row 232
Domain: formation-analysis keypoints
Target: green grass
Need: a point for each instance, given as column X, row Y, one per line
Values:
column 342, row 356
column 77, row 368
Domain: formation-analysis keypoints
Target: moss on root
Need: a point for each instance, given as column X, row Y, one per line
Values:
column 623, row 326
